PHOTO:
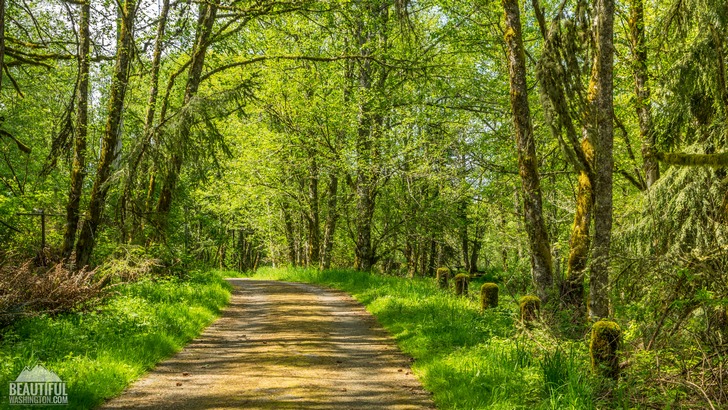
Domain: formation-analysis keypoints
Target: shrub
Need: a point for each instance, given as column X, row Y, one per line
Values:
column 27, row 290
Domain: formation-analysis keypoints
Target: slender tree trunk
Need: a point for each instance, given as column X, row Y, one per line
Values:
column 431, row 266
column 290, row 235
column 78, row 172
column 109, row 150
column 464, row 240
column 331, row 218
column 651, row 166
column 2, row 41
column 314, row 226
column 572, row 292
column 541, row 265
column 371, row 35
column 475, row 249
column 207, row 14
column 149, row 116
column 604, row 163
column 422, row 245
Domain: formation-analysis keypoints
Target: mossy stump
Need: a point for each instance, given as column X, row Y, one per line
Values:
column 530, row 308
column 461, row 284
column 488, row 296
column 443, row 277
column 606, row 337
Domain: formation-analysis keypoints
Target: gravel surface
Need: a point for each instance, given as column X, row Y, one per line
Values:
column 281, row 345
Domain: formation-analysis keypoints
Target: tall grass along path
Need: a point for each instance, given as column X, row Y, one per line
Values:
column 285, row 346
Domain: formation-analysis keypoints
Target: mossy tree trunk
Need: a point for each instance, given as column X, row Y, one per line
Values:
column 332, row 216
column 541, row 264
column 603, row 162
column 148, row 132
column 312, row 218
column 572, row 292
column 207, row 15
column 78, row 172
column 642, row 90
column 111, row 136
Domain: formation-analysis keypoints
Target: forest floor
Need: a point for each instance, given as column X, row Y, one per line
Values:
column 283, row 345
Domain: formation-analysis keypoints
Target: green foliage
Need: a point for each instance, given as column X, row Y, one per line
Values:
column 98, row 353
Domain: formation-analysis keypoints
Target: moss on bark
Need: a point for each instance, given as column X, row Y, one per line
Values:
column 606, row 337
column 488, row 296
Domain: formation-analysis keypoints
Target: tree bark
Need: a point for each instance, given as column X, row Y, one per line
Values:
column 475, row 250
column 314, row 226
column 371, row 35
column 78, row 172
column 332, row 217
column 604, row 163
column 463, row 233
column 541, row 265
column 207, row 14
column 572, row 292
column 693, row 160
column 109, row 145
column 650, row 166
column 290, row 235
column 149, row 116
column 2, row 41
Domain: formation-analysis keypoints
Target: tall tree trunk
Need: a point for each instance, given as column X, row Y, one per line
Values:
column 148, row 118
column 332, row 216
column 314, row 226
column 463, row 233
column 604, row 163
column 433, row 258
column 109, row 145
column 541, row 265
column 651, row 166
column 290, row 235
column 207, row 14
column 371, row 35
column 2, row 41
column 572, row 292
column 78, row 172
column 475, row 249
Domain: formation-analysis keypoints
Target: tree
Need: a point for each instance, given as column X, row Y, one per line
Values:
column 78, row 172
column 603, row 161
column 541, row 263
column 112, row 130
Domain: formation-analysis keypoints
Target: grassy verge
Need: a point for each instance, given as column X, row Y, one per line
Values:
column 467, row 359
column 99, row 353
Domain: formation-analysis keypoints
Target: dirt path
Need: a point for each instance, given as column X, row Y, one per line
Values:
column 283, row 345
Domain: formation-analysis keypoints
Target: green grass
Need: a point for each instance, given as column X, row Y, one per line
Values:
column 467, row 359
column 99, row 353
